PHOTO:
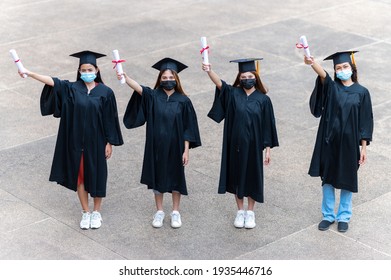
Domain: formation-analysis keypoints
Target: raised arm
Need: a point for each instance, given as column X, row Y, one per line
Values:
column 317, row 68
column 131, row 83
column 42, row 78
column 212, row 75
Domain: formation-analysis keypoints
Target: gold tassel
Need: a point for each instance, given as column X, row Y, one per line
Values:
column 353, row 61
column 257, row 67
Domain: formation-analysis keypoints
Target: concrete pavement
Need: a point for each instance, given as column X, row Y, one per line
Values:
column 40, row 220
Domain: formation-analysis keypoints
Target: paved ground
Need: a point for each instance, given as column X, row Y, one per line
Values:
column 39, row 220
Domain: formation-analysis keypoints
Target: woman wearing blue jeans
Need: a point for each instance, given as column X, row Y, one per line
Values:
column 346, row 123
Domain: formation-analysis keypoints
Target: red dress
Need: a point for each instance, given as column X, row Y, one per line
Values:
column 80, row 178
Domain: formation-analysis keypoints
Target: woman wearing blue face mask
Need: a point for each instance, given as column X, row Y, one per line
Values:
column 89, row 127
column 249, row 129
column 346, row 123
column 172, row 130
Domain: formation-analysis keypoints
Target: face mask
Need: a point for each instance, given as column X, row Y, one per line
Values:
column 344, row 74
column 247, row 83
column 88, row 77
column 168, row 85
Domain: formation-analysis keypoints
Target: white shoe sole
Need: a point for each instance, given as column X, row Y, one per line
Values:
column 250, row 226
column 96, row 227
column 85, row 227
column 176, row 225
column 157, row 226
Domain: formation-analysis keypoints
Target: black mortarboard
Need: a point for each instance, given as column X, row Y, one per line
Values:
column 169, row 63
column 246, row 64
column 87, row 57
column 341, row 57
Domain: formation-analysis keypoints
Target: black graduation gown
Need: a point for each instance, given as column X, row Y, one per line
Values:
column 170, row 122
column 88, row 122
column 249, row 128
column 346, row 119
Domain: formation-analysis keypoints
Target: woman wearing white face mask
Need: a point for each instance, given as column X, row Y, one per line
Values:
column 89, row 127
column 346, row 124
column 249, row 128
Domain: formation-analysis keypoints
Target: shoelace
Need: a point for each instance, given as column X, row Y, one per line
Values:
column 250, row 216
column 159, row 216
column 85, row 216
column 175, row 216
column 95, row 216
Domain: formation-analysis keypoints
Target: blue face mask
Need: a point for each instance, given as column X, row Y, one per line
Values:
column 344, row 75
column 88, row 77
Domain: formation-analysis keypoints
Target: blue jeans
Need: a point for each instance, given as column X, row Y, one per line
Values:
column 328, row 203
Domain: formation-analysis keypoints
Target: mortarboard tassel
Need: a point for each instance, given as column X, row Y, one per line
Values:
column 257, row 67
column 353, row 61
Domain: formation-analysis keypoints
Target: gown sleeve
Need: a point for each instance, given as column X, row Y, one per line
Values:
column 269, row 130
column 366, row 118
column 220, row 103
column 191, row 130
column 51, row 98
column 111, row 122
column 136, row 111
column 319, row 96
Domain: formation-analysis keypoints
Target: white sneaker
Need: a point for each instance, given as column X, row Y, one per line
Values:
column 96, row 220
column 158, row 219
column 239, row 220
column 249, row 220
column 85, row 220
column 176, row 219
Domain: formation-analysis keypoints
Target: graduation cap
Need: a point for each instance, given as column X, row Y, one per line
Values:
column 247, row 64
column 341, row 57
column 169, row 63
column 87, row 57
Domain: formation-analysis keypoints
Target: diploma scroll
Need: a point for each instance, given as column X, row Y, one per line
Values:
column 118, row 65
column 204, row 51
column 18, row 63
column 304, row 45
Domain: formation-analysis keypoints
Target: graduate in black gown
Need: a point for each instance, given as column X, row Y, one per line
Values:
column 172, row 130
column 89, row 126
column 346, row 123
column 249, row 129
